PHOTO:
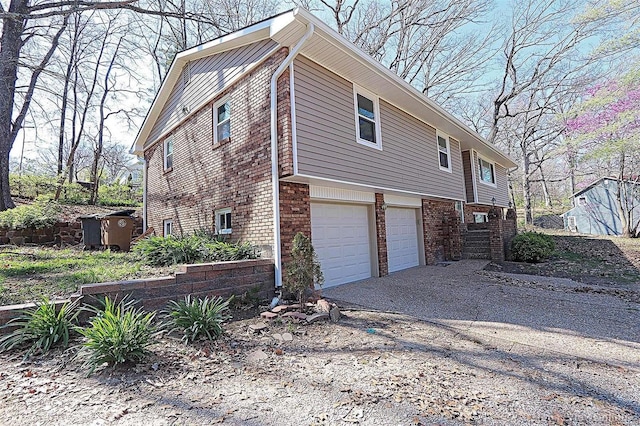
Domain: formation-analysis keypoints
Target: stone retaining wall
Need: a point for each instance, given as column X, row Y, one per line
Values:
column 199, row 280
column 62, row 233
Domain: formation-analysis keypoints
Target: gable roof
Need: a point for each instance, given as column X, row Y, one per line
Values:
column 602, row 179
column 336, row 53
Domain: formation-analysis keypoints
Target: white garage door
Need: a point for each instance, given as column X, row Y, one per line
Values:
column 402, row 238
column 340, row 235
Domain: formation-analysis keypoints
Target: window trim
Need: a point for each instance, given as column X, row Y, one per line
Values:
column 168, row 139
column 444, row 136
column 166, row 222
column 493, row 169
column 582, row 201
column 218, row 213
column 215, row 121
column 376, row 112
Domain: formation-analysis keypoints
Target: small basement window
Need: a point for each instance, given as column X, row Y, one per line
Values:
column 223, row 221
column 221, row 122
column 480, row 217
column 487, row 171
column 444, row 151
column 168, row 153
column 367, row 118
column 167, row 226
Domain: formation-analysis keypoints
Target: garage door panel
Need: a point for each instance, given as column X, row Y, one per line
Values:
column 402, row 238
column 340, row 234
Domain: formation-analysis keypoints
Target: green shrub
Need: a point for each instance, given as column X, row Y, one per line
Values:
column 194, row 248
column 197, row 318
column 119, row 195
column 41, row 214
column 532, row 247
column 41, row 327
column 303, row 271
column 117, row 334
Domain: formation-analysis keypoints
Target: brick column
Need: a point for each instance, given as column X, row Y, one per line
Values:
column 295, row 215
column 454, row 236
column 496, row 239
column 509, row 230
column 381, row 237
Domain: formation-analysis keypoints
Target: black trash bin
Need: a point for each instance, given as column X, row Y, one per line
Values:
column 91, row 234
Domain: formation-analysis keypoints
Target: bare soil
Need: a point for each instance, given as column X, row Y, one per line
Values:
column 370, row 368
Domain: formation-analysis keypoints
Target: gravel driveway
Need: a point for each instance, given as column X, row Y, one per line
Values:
column 511, row 311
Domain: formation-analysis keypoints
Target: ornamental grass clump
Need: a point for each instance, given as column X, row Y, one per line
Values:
column 41, row 328
column 199, row 318
column 117, row 334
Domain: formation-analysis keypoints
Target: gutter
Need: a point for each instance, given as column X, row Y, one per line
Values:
column 277, row 252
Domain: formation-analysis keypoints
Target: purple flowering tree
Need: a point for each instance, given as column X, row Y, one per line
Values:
column 606, row 127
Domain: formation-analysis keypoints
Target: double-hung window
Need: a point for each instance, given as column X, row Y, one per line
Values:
column 487, row 171
column 223, row 221
column 168, row 153
column 444, row 151
column 221, row 122
column 367, row 111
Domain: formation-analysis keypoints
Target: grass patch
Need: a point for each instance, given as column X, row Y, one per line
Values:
column 28, row 274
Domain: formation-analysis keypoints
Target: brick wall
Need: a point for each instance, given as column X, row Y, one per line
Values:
column 295, row 215
column 442, row 231
column 285, row 137
column 210, row 279
column 236, row 174
column 65, row 233
column 381, row 240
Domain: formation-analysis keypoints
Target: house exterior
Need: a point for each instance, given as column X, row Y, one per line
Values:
column 596, row 208
column 287, row 127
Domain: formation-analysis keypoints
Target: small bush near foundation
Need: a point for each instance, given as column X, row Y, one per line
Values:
column 194, row 248
column 42, row 327
column 303, row 271
column 118, row 333
column 197, row 318
column 41, row 214
column 532, row 247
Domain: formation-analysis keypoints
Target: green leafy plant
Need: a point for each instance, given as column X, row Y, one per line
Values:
column 42, row 327
column 532, row 247
column 303, row 271
column 197, row 317
column 41, row 214
column 193, row 248
column 118, row 333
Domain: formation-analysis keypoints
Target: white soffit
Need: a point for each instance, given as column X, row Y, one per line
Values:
column 400, row 201
column 340, row 194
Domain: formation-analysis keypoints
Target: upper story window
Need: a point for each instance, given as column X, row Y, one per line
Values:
column 223, row 221
column 367, row 118
column 221, row 121
column 444, row 151
column 167, row 226
column 582, row 201
column 487, row 171
column 168, row 153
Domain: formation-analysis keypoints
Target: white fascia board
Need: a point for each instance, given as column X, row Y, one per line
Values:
column 358, row 54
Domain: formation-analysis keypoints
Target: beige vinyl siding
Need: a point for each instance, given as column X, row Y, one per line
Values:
column 487, row 192
column 327, row 147
column 208, row 76
column 468, row 176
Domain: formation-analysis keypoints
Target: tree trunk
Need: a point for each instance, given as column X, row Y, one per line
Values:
column 10, row 45
column 526, row 190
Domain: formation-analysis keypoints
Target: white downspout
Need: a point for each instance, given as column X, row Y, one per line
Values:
column 144, row 193
column 277, row 253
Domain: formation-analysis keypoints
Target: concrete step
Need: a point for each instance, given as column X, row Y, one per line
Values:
column 474, row 255
column 477, row 243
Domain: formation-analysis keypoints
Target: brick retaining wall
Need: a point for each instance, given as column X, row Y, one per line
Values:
column 199, row 280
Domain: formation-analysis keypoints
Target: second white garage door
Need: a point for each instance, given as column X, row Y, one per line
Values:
column 402, row 238
column 340, row 235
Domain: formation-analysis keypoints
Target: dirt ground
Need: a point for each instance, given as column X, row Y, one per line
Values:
column 370, row 368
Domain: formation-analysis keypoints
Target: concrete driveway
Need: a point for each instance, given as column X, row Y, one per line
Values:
column 509, row 311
